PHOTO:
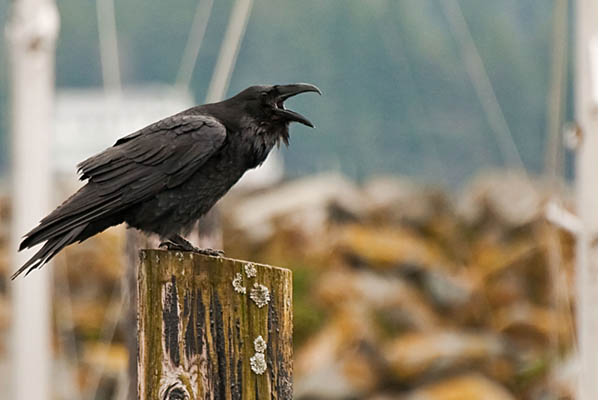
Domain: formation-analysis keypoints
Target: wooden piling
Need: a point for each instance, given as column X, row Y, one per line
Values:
column 213, row 328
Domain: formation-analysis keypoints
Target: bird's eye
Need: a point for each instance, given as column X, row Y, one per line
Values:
column 263, row 97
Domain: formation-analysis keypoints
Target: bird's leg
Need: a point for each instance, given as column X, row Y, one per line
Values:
column 177, row 243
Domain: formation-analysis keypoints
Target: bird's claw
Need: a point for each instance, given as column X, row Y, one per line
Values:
column 172, row 246
column 210, row 252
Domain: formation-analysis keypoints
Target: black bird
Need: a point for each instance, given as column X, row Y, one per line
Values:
column 164, row 177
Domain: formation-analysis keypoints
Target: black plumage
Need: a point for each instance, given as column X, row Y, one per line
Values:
column 164, row 177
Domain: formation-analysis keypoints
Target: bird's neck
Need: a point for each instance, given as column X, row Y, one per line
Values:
column 258, row 139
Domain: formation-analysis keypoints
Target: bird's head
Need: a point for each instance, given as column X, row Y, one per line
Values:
column 265, row 103
column 263, row 107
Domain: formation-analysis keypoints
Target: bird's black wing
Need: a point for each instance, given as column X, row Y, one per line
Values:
column 169, row 152
column 158, row 157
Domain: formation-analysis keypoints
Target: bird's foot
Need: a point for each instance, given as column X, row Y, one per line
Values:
column 187, row 246
column 172, row 246
column 210, row 252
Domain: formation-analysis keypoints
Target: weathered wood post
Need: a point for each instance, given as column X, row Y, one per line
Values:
column 213, row 328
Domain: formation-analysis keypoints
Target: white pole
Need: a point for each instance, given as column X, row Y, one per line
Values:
column 229, row 50
column 31, row 35
column 586, row 114
column 109, row 48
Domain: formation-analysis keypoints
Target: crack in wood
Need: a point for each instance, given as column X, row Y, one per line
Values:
column 196, row 335
column 171, row 321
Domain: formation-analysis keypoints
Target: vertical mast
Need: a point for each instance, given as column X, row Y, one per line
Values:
column 31, row 37
column 586, row 186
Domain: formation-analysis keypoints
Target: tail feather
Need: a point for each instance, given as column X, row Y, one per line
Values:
column 84, row 214
column 46, row 231
column 49, row 250
column 80, row 208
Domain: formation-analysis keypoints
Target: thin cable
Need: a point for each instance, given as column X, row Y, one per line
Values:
column 109, row 47
column 554, row 171
column 482, row 84
column 111, row 75
column 394, row 46
column 109, row 326
column 554, row 167
column 64, row 321
column 194, row 43
column 229, row 50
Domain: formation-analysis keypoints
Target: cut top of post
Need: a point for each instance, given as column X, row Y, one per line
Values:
column 213, row 327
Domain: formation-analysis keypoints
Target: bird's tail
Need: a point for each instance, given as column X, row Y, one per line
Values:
column 75, row 220
column 53, row 245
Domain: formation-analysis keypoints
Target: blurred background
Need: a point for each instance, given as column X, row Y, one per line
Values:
column 436, row 219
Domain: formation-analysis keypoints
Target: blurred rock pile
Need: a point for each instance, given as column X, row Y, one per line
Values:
column 400, row 290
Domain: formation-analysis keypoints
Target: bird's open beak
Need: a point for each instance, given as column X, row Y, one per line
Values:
column 287, row 91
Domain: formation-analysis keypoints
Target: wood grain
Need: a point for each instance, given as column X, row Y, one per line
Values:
column 197, row 333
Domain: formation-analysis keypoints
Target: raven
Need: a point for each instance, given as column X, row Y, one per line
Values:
column 164, row 177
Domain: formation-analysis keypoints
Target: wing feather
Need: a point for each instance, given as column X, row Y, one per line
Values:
column 160, row 156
